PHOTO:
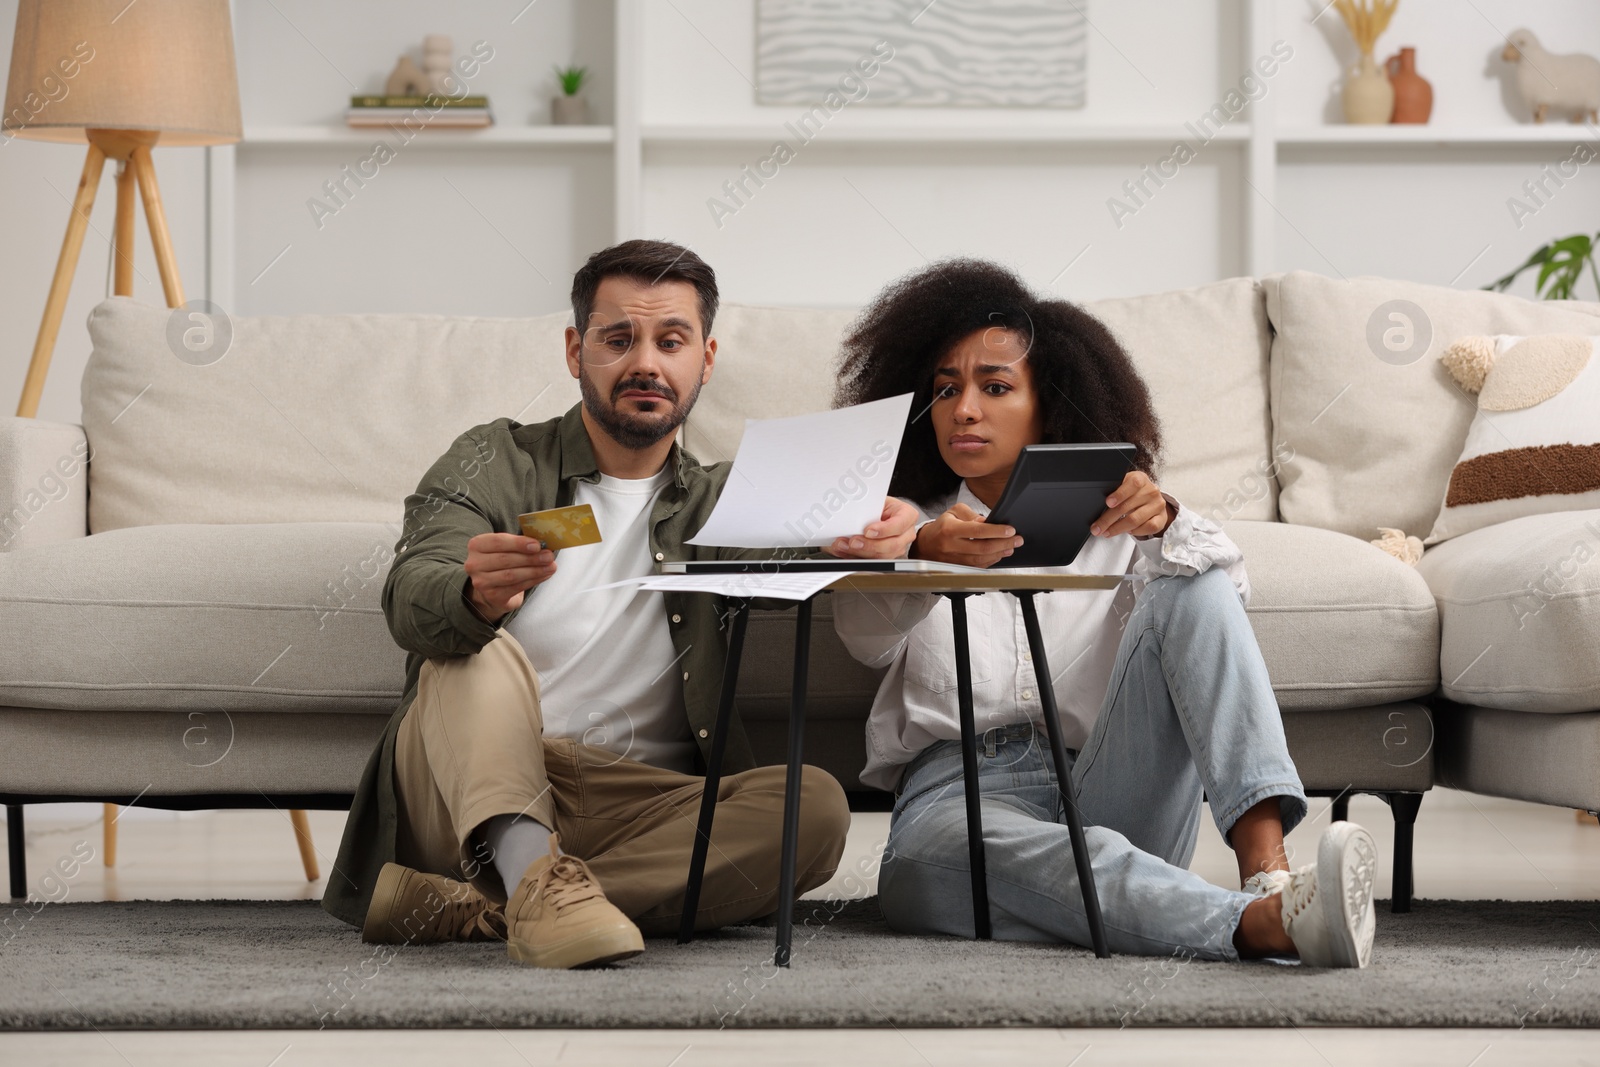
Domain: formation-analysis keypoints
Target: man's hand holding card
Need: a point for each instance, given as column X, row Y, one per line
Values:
column 502, row 567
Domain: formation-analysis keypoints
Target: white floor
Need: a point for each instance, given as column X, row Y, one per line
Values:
column 782, row 1048
column 1468, row 847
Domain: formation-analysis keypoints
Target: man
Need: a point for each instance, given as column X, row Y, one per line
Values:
column 544, row 749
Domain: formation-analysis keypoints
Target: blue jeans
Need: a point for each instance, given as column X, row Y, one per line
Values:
column 1189, row 708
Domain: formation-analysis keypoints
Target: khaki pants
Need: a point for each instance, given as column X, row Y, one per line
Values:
column 472, row 746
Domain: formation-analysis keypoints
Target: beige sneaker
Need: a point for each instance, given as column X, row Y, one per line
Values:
column 558, row 917
column 415, row 908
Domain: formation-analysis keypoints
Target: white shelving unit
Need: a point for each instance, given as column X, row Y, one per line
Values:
column 1264, row 147
column 1551, row 133
column 445, row 139
column 888, row 135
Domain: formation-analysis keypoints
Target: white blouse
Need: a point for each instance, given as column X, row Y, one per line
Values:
column 912, row 635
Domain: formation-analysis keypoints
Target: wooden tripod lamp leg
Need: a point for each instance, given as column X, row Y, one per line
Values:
column 127, row 189
column 110, row 839
column 166, row 260
column 55, row 304
column 302, row 835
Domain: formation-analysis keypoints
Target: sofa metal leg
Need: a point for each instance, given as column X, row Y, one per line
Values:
column 1341, row 808
column 1405, row 807
column 19, row 857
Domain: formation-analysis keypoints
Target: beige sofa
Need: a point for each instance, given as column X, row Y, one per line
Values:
column 191, row 617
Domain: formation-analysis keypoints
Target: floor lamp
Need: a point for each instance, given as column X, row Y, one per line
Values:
column 122, row 77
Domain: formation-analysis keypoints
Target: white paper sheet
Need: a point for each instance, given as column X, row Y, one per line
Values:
column 807, row 479
column 790, row 586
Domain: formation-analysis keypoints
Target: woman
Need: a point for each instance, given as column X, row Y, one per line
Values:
column 1161, row 689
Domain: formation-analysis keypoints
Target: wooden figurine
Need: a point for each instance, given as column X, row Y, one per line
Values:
column 407, row 79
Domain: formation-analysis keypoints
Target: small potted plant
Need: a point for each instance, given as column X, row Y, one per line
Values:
column 570, row 108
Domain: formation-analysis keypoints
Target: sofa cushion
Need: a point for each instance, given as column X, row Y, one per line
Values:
column 1519, row 610
column 304, row 418
column 1369, row 441
column 1340, row 623
column 203, row 618
column 1203, row 352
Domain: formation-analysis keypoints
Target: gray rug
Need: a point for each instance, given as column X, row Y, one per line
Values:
column 279, row 964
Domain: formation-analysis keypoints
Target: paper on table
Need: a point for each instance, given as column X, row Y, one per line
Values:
column 807, row 479
column 789, row 586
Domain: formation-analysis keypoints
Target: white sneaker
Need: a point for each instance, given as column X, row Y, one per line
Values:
column 1266, row 883
column 1327, row 906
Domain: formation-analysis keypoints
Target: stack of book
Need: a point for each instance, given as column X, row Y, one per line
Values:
column 429, row 110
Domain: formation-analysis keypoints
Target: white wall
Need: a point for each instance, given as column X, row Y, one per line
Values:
column 477, row 232
column 839, row 221
column 499, row 230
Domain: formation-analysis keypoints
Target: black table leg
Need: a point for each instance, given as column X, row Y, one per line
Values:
column 708, row 798
column 1069, row 796
column 791, row 785
column 969, row 768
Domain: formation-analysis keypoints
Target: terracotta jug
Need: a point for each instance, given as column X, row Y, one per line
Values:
column 1413, row 96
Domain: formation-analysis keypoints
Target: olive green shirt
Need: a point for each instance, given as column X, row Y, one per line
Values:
column 489, row 476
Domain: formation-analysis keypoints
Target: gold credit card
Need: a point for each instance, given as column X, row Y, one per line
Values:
column 566, row 527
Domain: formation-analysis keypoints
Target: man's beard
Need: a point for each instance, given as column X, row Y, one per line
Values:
column 629, row 430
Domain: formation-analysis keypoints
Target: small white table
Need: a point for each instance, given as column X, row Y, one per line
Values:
column 956, row 587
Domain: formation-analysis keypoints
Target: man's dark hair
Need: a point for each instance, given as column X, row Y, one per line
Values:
column 650, row 262
column 1087, row 386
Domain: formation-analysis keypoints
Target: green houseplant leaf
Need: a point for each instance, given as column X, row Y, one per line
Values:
column 1560, row 266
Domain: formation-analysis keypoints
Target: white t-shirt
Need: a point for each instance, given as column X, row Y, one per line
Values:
column 605, row 657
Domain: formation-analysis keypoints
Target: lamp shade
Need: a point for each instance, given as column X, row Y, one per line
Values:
column 163, row 65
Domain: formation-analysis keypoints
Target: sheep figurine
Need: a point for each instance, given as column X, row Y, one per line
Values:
column 1566, row 83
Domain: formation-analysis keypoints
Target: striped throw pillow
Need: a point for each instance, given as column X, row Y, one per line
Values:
column 1534, row 445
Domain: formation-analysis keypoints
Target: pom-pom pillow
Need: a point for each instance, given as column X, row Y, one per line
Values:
column 1534, row 445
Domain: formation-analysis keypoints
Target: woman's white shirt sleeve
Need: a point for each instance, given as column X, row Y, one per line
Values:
column 1191, row 544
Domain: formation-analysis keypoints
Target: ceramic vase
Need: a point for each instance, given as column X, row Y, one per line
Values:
column 1368, row 96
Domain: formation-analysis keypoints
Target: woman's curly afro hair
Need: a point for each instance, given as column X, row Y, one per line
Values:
column 1086, row 385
